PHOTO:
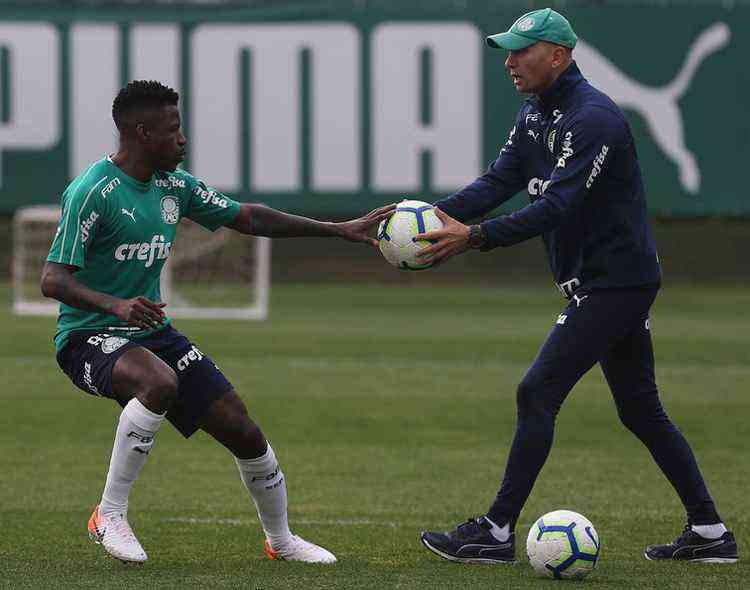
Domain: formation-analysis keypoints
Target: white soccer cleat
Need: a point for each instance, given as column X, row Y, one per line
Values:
column 297, row 549
column 115, row 535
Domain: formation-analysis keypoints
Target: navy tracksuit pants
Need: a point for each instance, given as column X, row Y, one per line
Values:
column 610, row 327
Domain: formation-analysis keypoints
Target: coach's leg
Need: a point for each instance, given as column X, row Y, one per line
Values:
column 629, row 370
column 538, row 399
column 590, row 325
column 146, row 387
column 228, row 422
column 586, row 327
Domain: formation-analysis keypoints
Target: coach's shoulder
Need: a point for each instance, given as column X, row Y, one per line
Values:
column 598, row 118
column 591, row 98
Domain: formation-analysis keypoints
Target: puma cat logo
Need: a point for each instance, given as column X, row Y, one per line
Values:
column 659, row 106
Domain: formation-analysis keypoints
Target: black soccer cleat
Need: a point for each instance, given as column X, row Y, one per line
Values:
column 471, row 542
column 690, row 546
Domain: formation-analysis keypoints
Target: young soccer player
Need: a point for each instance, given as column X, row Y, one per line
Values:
column 114, row 338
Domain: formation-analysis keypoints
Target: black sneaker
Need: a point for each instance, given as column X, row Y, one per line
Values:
column 471, row 542
column 690, row 546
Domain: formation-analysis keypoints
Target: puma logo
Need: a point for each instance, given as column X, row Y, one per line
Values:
column 534, row 135
column 130, row 214
column 658, row 105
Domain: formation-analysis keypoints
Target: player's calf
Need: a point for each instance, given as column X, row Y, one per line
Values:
column 160, row 392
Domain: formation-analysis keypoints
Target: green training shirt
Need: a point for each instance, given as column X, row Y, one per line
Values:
column 119, row 232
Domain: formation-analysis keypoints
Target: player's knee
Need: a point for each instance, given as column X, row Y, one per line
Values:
column 252, row 437
column 246, row 441
column 253, row 440
column 246, row 438
column 161, row 389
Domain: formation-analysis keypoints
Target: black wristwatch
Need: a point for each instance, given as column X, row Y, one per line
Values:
column 476, row 237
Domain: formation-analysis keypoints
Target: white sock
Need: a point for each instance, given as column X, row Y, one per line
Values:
column 501, row 533
column 265, row 482
column 133, row 441
column 709, row 531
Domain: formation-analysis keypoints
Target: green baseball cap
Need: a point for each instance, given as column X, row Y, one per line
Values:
column 538, row 25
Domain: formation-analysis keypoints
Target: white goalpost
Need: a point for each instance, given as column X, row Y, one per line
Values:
column 217, row 275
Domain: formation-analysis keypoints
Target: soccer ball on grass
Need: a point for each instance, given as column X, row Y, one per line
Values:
column 563, row 544
column 396, row 234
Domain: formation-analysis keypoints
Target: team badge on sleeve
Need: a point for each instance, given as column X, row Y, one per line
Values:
column 170, row 210
column 551, row 141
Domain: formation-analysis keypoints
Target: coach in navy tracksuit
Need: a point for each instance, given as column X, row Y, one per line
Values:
column 572, row 149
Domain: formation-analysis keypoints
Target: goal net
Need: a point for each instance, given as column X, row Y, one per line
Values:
column 221, row 274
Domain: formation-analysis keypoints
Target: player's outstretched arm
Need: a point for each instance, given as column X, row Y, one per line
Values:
column 58, row 282
column 259, row 220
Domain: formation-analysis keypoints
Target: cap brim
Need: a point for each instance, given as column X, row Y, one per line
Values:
column 509, row 41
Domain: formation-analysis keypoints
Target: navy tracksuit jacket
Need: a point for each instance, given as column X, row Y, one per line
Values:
column 572, row 150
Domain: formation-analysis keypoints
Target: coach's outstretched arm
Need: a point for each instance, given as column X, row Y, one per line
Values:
column 594, row 134
column 260, row 220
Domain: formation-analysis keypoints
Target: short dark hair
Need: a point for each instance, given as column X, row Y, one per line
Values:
column 139, row 95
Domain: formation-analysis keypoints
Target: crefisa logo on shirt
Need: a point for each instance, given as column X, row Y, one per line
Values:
column 170, row 182
column 86, row 225
column 170, row 210
column 147, row 252
column 211, row 197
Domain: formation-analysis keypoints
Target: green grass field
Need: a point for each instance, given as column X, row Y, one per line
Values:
column 391, row 410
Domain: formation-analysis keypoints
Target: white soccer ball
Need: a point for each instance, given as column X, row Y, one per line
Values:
column 395, row 234
column 563, row 544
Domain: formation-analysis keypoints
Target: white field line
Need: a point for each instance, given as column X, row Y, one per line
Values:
column 328, row 363
column 309, row 363
column 338, row 522
column 521, row 528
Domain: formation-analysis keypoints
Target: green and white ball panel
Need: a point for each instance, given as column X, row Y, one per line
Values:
column 396, row 234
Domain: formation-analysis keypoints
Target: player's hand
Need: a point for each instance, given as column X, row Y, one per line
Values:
column 140, row 312
column 452, row 239
column 357, row 230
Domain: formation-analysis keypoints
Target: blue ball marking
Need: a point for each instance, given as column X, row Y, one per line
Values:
column 418, row 213
column 576, row 553
column 383, row 235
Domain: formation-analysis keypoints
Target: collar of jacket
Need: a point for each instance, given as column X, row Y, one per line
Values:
column 554, row 95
